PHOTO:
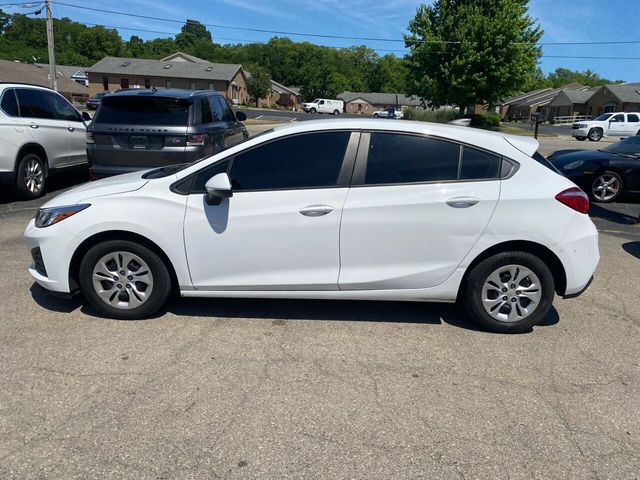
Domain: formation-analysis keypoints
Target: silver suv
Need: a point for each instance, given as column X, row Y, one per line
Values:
column 40, row 133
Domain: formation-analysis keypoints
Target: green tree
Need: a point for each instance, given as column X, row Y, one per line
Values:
column 563, row 76
column 192, row 34
column 258, row 84
column 471, row 51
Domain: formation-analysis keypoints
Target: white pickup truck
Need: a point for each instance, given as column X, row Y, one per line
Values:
column 613, row 124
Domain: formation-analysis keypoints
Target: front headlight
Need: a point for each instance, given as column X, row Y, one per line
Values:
column 573, row 165
column 48, row 216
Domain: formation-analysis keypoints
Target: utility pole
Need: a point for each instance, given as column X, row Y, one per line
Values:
column 50, row 47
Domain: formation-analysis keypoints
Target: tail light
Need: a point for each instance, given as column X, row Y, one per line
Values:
column 90, row 138
column 574, row 198
column 196, row 139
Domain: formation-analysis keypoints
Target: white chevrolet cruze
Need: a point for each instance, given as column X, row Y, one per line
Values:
column 333, row 209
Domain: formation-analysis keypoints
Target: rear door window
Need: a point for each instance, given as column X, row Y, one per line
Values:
column 205, row 111
column 632, row 117
column 140, row 110
column 34, row 104
column 9, row 103
column 397, row 158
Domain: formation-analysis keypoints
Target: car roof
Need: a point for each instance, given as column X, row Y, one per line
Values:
column 176, row 93
column 463, row 134
column 4, row 85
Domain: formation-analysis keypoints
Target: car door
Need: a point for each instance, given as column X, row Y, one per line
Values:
column 416, row 207
column 234, row 130
column 75, row 126
column 633, row 124
column 280, row 229
column 38, row 116
column 617, row 125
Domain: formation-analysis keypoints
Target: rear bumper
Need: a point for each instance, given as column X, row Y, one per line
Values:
column 580, row 292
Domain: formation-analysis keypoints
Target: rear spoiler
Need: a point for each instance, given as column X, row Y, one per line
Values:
column 527, row 145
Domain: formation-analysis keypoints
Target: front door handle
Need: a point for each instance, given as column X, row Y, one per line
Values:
column 34, row 125
column 71, row 129
column 462, row 202
column 316, row 210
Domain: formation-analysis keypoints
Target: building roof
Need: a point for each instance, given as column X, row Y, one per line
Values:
column 376, row 98
column 169, row 69
column 278, row 87
column 183, row 57
column 29, row 73
column 571, row 97
column 626, row 93
column 68, row 71
column 523, row 96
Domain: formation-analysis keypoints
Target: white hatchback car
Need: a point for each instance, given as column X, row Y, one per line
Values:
column 339, row 209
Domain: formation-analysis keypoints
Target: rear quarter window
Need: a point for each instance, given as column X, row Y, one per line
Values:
column 9, row 104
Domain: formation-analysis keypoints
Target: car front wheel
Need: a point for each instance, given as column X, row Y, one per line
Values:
column 313, row 110
column 606, row 187
column 509, row 292
column 124, row 280
column 595, row 134
column 31, row 176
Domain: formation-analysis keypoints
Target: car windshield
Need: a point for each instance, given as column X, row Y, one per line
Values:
column 627, row 146
column 603, row 117
column 316, row 100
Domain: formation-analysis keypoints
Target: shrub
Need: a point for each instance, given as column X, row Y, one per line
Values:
column 442, row 115
column 485, row 120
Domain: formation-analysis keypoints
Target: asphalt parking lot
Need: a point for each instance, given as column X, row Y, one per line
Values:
column 319, row 389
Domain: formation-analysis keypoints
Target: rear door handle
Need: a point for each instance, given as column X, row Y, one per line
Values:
column 316, row 210
column 71, row 129
column 462, row 202
column 34, row 125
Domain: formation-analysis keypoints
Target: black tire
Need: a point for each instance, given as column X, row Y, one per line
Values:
column 312, row 110
column 336, row 112
column 375, row 115
column 596, row 180
column 581, row 139
column 472, row 296
column 31, row 176
column 595, row 134
column 161, row 280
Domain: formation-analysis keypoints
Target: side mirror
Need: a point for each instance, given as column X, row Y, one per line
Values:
column 86, row 116
column 240, row 116
column 218, row 187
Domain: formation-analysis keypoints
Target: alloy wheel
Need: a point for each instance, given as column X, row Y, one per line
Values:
column 511, row 293
column 606, row 187
column 122, row 280
column 33, row 176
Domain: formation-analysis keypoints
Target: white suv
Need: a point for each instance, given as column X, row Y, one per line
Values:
column 336, row 209
column 40, row 133
column 607, row 125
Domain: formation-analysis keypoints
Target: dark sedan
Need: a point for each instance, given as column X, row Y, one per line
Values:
column 605, row 174
column 94, row 102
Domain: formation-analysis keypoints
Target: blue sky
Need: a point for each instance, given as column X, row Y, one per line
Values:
column 562, row 20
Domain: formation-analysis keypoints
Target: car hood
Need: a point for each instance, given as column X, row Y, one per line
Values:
column 562, row 158
column 100, row 188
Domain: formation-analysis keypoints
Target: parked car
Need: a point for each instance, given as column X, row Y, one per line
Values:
column 324, row 105
column 388, row 113
column 606, row 174
column 41, row 133
column 94, row 102
column 607, row 125
column 344, row 209
column 135, row 129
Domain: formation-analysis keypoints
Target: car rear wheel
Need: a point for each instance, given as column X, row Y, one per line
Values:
column 124, row 280
column 606, row 187
column 336, row 112
column 509, row 292
column 595, row 134
column 31, row 176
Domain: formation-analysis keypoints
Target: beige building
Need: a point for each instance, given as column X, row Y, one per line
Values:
column 281, row 96
column 178, row 70
column 366, row 103
column 614, row 98
column 19, row 72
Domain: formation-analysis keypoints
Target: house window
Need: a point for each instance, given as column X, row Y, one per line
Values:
column 211, row 86
column 193, row 85
column 105, row 83
column 124, row 83
column 147, row 83
column 167, row 84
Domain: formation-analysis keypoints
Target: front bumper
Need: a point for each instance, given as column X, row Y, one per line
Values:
column 56, row 246
column 580, row 132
